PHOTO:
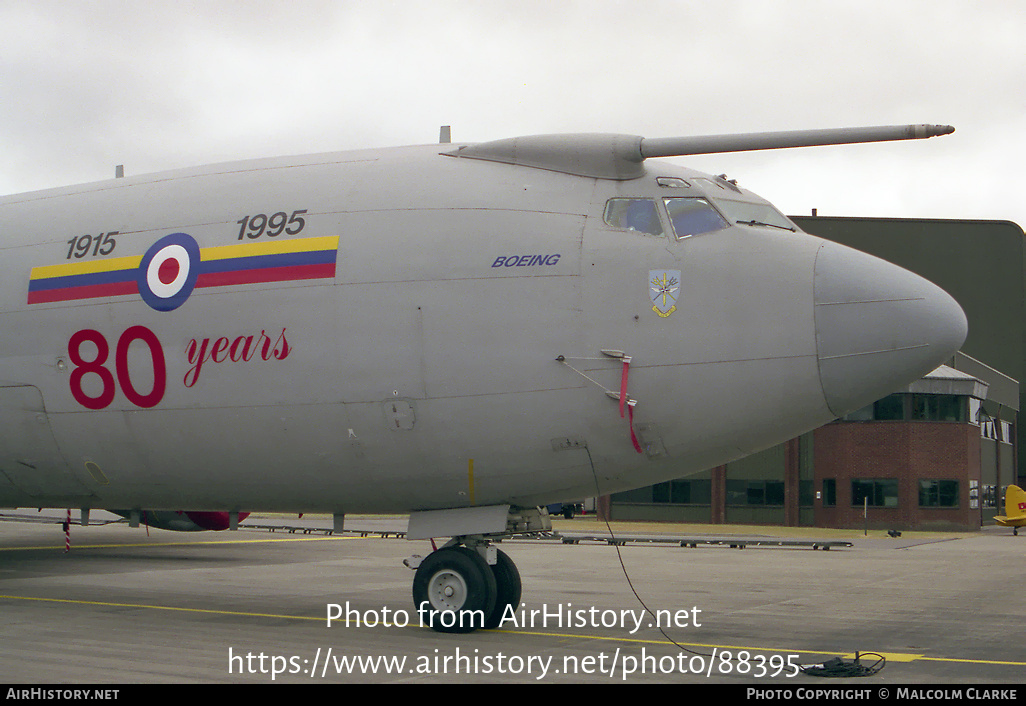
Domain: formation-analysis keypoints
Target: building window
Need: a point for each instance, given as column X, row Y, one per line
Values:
column 920, row 408
column 989, row 496
column 881, row 492
column 700, row 491
column 755, row 492
column 938, row 493
column 829, row 492
column 939, row 408
column 642, row 496
column 672, row 492
column 683, row 492
column 996, row 429
column 890, row 408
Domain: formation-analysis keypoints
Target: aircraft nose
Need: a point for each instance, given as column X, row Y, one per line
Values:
column 878, row 327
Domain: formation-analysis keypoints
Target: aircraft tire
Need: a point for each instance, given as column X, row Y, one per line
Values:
column 459, row 589
column 508, row 585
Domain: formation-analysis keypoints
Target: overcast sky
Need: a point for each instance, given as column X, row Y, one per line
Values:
column 155, row 84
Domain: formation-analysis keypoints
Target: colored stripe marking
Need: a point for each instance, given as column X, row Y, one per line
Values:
column 219, row 266
column 223, row 252
column 84, row 268
column 94, row 291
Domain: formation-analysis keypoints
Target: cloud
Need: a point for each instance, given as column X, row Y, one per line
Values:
column 156, row 85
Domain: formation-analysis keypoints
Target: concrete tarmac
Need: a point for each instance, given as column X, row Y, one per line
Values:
column 124, row 607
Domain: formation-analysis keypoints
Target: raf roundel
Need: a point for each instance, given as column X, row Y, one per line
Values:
column 168, row 272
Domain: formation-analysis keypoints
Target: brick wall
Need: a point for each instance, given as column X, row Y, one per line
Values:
column 908, row 451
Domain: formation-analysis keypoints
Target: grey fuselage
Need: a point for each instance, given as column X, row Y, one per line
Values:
column 423, row 371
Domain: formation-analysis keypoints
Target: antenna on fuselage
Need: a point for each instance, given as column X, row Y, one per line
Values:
column 609, row 156
column 715, row 144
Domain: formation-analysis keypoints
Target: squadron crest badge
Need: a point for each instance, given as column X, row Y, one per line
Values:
column 663, row 290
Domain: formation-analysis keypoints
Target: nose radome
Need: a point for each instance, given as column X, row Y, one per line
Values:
column 878, row 327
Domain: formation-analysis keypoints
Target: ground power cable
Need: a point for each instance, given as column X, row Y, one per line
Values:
column 835, row 667
column 616, row 545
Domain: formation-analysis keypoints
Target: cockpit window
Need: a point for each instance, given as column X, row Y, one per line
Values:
column 633, row 214
column 753, row 214
column 693, row 216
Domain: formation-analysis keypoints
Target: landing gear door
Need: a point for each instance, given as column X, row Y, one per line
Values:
column 29, row 457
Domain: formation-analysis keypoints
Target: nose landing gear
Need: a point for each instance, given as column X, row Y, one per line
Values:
column 455, row 590
column 469, row 583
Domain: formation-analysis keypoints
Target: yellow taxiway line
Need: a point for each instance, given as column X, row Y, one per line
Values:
column 891, row 656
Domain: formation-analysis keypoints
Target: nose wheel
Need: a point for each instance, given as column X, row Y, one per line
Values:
column 508, row 587
column 456, row 591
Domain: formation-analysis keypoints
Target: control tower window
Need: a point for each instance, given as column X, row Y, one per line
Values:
column 693, row 216
column 633, row 214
